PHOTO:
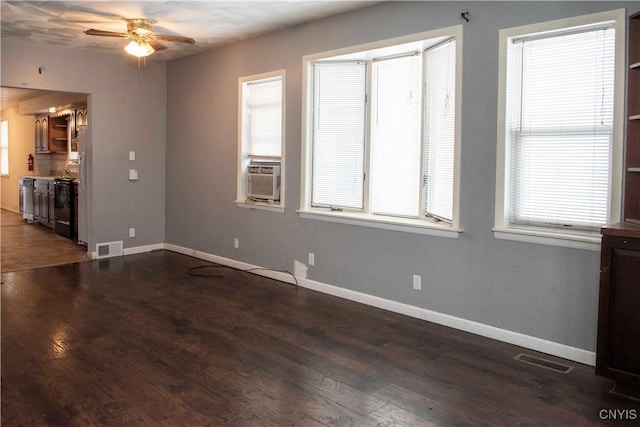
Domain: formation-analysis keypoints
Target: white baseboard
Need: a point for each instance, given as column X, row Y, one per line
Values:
column 141, row 249
column 544, row 346
column 134, row 250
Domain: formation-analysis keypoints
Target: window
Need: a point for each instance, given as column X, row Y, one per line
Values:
column 260, row 141
column 4, row 147
column 558, row 134
column 381, row 134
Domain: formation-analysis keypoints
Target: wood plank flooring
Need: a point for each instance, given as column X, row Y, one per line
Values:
column 25, row 246
column 137, row 341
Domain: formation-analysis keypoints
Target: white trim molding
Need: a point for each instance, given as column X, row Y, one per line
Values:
column 534, row 343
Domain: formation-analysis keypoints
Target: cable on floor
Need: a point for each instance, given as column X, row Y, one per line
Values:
column 192, row 271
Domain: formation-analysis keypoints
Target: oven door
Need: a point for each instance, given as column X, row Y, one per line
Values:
column 63, row 206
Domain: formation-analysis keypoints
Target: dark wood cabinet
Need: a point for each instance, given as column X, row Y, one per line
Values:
column 44, row 202
column 42, row 134
column 59, row 135
column 618, row 348
column 632, row 167
column 618, row 351
column 52, row 206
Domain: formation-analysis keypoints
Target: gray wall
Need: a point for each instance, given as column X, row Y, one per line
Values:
column 541, row 291
column 127, row 112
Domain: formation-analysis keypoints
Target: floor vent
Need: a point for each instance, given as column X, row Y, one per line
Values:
column 544, row 363
column 109, row 249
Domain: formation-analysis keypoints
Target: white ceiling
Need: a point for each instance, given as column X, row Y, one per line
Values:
column 210, row 23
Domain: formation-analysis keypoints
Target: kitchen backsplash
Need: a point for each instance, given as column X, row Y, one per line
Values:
column 52, row 165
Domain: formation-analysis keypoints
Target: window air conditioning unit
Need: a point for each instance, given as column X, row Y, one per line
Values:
column 263, row 182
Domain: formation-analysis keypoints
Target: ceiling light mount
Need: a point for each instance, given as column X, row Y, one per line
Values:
column 139, row 26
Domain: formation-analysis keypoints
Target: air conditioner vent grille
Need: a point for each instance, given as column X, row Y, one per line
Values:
column 109, row 249
column 263, row 182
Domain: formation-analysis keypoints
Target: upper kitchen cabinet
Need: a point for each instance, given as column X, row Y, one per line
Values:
column 80, row 119
column 52, row 133
column 59, row 132
column 42, row 134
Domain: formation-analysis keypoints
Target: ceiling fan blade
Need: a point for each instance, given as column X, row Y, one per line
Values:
column 157, row 46
column 176, row 39
column 93, row 32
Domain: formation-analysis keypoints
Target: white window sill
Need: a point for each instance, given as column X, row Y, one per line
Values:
column 589, row 242
column 406, row 225
column 260, row 206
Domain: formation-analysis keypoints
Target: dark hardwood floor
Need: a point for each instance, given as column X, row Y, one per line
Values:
column 136, row 340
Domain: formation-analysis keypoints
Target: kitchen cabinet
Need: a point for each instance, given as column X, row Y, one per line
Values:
column 52, row 206
column 59, row 133
column 79, row 120
column 53, row 133
column 618, row 349
column 44, row 202
column 41, row 202
column 42, row 134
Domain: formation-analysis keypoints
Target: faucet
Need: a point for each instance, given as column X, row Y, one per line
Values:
column 67, row 173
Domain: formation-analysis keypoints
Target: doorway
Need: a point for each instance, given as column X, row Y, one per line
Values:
column 27, row 244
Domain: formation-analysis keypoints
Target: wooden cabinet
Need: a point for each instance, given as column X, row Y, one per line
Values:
column 52, row 206
column 618, row 350
column 53, row 133
column 42, row 134
column 632, row 172
column 59, row 133
column 44, row 202
column 41, row 202
column 79, row 119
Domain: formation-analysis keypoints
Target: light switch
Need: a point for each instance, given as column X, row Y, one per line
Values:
column 133, row 175
column 132, row 155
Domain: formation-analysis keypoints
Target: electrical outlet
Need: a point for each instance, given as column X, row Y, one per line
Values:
column 236, row 243
column 132, row 232
column 312, row 259
column 417, row 282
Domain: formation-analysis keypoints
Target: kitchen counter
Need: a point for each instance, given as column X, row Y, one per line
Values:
column 49, row 177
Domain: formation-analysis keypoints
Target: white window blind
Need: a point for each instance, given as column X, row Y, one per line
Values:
column 338, row 140
column 439, row 130
column 560, row 113
column 264, row 113
column 395, row 139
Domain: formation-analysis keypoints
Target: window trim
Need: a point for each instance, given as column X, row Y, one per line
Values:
column 4, row 147
column 421, row 226
column 241, row 183
column 582, row 240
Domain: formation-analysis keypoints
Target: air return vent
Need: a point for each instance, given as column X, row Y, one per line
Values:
column 109, row 249
column 544, row 363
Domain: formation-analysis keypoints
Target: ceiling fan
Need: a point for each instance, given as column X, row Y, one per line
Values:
column 144, row 41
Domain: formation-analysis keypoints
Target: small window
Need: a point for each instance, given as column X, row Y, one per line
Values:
column 261, row 141
column 559, row 139
column 4, row 147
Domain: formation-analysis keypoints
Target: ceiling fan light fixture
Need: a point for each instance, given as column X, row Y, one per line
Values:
column 139, row 49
